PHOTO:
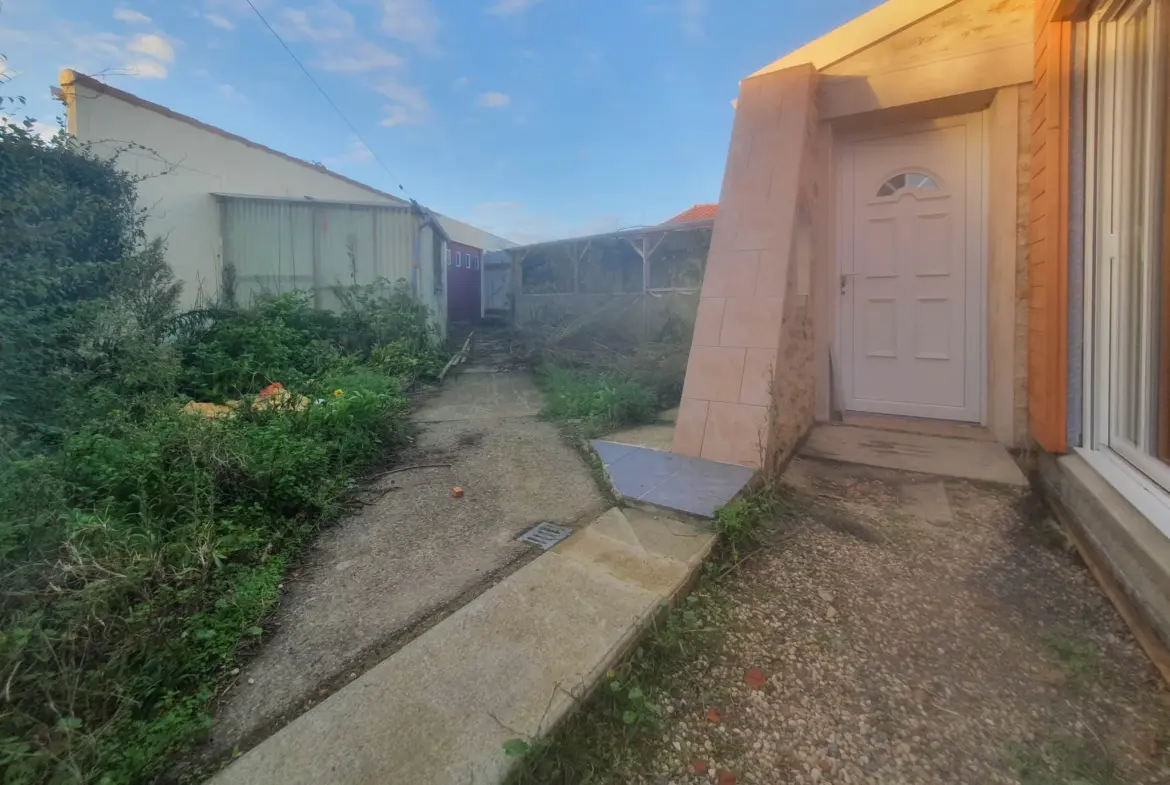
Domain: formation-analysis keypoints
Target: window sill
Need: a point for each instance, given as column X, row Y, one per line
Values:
column 1139, row 490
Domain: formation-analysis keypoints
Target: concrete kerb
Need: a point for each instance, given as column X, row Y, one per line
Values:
column 635, row 635
column 334, row 742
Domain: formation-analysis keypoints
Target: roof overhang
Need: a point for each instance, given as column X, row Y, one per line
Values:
column 859, row 33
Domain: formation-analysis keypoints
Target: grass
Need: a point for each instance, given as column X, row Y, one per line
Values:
column 1063, row 761
column 1080, row 661
column 744, row 522
column 595, row 403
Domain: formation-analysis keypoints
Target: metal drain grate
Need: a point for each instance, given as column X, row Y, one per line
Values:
column 545, row 535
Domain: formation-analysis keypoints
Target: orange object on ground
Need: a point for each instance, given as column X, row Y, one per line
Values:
column 457, row 493
column 271, row 390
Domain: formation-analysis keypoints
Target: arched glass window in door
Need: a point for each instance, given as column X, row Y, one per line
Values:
column 907, row 180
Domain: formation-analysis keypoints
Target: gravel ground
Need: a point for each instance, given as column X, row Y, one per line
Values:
column 915, row 630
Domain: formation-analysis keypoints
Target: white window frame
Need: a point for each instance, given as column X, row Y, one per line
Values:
column 1142, row 478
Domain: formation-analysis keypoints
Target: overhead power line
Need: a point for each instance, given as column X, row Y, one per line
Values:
column 325, row 95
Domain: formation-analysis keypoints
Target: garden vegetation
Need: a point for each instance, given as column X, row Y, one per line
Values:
column 143, row 544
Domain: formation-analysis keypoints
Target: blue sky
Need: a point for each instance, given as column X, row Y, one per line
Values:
column 530, row 118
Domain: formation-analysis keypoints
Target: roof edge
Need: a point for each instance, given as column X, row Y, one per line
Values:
column 858, row 33
column 71, row 79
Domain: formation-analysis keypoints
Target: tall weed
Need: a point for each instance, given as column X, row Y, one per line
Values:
column 599, row 402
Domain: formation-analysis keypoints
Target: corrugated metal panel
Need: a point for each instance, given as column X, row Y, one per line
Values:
column 279, row 245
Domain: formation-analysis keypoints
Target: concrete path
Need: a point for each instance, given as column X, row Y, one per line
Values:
column 414, row 553
column 507, row 665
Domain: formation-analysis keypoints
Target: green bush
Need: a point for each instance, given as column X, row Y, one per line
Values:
column 599, row 401
column 243, row 350
column 81, row 292
column 141, row 545
column 237, row 351
column 142, row 556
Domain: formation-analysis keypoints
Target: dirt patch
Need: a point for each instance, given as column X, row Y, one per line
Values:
column 413, row 555
column 954, row 646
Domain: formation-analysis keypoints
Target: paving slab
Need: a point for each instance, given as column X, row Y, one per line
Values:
column 510, row 664
column 962, row 458
column 670, row 481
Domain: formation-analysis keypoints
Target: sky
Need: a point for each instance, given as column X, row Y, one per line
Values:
column 532, row 119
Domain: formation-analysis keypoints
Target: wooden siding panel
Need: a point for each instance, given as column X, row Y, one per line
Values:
column 1047, row 331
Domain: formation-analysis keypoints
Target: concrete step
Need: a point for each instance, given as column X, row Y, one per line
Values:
column 510, row 664
column 912, row 452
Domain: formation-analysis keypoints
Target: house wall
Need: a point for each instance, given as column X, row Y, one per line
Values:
column 278, row 245
column 182, row 164
column 748, row 393
column 969, row 56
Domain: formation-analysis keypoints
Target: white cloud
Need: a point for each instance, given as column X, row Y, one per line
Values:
column 693, row 14
column 340, row 46
column 131, row 17
column 509, row 7
column 230, row 92
column 355, row 153
column 357, row 58
column 153, row 46
column 411, row 21
column 321, row 24
column 145, row 69
column 408, row 105
column 493, row 100
column 222, row 22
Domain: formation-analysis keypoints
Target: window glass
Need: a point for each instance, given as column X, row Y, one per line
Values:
column 1130, row 265
column 907, row 180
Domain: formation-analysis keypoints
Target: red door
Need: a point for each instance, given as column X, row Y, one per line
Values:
column 464, row 268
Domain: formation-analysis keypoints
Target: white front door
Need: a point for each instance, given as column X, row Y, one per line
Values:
column 912, row 273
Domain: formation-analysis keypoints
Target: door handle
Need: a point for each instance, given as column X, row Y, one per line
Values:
column 845, row 280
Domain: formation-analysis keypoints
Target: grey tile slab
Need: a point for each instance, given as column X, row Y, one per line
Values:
column 713, row 470
column 695, row 493
column 639, row 471
column 609, row 452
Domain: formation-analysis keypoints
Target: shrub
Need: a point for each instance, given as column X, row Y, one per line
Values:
column 142, row 557
column 81, row 292
column 283, row 339
column 243, row 350
column 141, row 545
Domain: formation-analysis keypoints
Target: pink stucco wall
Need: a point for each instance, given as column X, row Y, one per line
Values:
column 752, row 342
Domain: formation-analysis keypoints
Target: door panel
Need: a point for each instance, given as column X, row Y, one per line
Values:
column 911, row 284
